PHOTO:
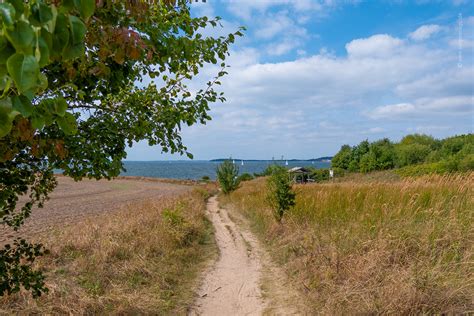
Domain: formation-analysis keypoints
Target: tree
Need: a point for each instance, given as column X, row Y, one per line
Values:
column 343, row 158
column 411, row 153
column 227, row 175
column 280, row 194
column 80, row 80
column 357, row 153
column 383, row 153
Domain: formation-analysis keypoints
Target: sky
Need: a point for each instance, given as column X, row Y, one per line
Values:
column 311, row 75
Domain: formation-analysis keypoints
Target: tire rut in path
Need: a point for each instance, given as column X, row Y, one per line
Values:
column 232, row 286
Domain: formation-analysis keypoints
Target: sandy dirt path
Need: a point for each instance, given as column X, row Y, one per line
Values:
column 233, row 285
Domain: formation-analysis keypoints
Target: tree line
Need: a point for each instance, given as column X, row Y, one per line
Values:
column 423, row 151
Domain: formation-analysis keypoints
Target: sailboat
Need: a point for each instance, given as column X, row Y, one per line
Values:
column 286, row 163
column 242, row 163
column 233, row 161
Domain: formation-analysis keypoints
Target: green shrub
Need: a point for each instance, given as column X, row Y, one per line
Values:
column 320, row 175
column 280, row 194
column 245, row 177
column 467, row 163
column 423, row 169
column 227, row 175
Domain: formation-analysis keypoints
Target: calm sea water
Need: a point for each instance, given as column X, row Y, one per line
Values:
column 197, row 169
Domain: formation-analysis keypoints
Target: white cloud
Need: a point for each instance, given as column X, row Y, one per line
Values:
column 279, row 24
column 246, row 8
column 455, row 105
column 424, row 32
column 392, row 110
column 376, row 45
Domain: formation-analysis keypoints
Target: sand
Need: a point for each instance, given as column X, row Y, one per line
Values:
column 233, row 285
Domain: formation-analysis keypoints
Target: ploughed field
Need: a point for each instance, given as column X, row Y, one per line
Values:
column 74, row 201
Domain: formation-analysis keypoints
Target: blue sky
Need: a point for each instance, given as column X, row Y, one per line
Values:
column 309, row 76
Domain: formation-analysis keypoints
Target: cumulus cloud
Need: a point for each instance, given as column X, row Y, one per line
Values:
column 424, row 32
column 376, row 45
column 392, row 110
column 246, row 8
column 455, row 105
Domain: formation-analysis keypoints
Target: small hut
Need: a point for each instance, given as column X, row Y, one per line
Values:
column 299, row 174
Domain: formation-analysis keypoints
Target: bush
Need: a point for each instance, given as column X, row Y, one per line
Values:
column 280, row 194
column 245, row 177
column 320, row 175
column 227, row 173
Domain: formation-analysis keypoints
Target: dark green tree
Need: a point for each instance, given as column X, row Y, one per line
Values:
column 80, row 80
column 227, row 176
column 280, row 194
column 343, row 158
column 357, row 153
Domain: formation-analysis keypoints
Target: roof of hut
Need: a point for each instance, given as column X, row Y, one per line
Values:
column 299, row 170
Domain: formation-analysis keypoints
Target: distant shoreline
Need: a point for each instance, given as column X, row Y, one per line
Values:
column 321, row 159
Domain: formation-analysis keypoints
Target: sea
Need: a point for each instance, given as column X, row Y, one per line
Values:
column 196, row 169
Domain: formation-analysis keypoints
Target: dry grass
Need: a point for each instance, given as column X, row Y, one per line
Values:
column 398, row 246
column 143, row 259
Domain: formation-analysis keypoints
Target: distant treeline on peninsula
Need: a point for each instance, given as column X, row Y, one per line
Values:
column 320, row 159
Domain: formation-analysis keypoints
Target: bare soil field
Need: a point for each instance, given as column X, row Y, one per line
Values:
column 74, row 201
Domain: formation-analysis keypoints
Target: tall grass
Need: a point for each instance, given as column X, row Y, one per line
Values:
column 143, row 259
column 398, row 246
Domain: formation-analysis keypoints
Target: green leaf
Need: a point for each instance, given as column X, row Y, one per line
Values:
column 67, row 123
column 7, row 14
column 47, row 38
column 60, row 106
column 61, row 35
column 85, row 7
column 5, row 117
column 42, row 81
column 76, row 45
column 73, row 51
column 21, row 36
column 42, row 13
column 24, row 70
column 5, row 53
column 66, row 5
column 3, row 77
column 44, row 52
column 23, row 105
column 19, row 6
column 78, row 30
column 37, row 121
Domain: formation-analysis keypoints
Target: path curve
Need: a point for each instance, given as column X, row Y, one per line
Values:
column 233, row 285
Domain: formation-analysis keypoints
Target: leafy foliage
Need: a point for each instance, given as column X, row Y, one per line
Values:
column 416, row 154
column 80, row 80
column 268, row 171
column 227, row 175
column 319, row 175
column 280, row 194
column 245, row 177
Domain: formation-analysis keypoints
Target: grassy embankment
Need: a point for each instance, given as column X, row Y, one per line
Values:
column 373, row 246
column 143, row 259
